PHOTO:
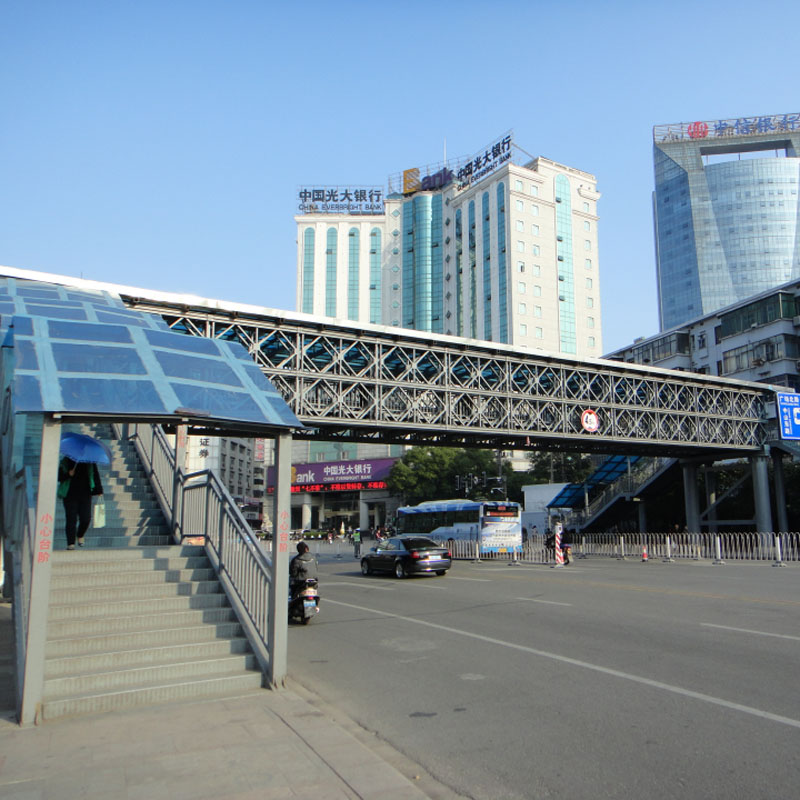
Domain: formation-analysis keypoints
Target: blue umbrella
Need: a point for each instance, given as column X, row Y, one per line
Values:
column 82, row 448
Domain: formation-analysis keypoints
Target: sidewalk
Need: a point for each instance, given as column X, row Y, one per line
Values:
column 270, row 744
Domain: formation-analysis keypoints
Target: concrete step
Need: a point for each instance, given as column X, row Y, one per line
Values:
column 77, row 610
column 68, row 628
column 144, row 656
column 124, row 591
column 155, row 557
column 131, row 678
column 153, row 694
column 132, row 577
column 73, row 646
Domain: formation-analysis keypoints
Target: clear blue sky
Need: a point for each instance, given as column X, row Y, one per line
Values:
column 160, row 143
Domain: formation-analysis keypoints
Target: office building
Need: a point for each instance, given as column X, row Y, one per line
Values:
column 480, row 248
column 725, row 211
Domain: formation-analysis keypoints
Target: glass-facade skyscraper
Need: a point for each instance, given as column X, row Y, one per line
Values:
column 725, row 211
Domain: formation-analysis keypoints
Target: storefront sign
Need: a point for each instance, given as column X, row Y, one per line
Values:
column 340, row 200
column 335, row 474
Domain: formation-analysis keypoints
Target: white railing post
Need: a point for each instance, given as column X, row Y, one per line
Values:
column 717, row 550
column 778, row 552
column 669, row 557
column 622, row 548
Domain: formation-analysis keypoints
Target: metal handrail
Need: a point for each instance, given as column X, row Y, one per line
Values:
column 207, row 514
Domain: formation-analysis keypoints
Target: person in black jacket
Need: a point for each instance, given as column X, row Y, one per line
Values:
column 77, row 484
column 303, row 565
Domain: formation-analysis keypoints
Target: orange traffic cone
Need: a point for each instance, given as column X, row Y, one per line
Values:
column 644, row 553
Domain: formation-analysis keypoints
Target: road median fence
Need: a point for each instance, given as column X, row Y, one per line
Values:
column 715, row 547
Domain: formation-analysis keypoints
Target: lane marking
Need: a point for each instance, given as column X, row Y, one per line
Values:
column 477, row 580
column 746, row 630
column 614, row 673
column 360, row 585
column 548, row 602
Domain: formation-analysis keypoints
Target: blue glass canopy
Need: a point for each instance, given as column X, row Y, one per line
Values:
column 573, row 495
column 84, row 354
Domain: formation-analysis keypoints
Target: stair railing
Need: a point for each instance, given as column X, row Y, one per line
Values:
column 207, row 514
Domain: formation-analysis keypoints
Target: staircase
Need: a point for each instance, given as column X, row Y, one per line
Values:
column 134, row 620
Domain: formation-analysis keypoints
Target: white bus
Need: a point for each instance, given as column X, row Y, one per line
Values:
column 497, row 526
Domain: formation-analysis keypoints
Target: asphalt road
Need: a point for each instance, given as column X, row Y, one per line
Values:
column 603, row 679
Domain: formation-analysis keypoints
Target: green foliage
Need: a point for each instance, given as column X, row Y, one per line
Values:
column 559, row 467
column 429, row 473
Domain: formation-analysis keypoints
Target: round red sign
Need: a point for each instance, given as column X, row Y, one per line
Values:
column 590, row 420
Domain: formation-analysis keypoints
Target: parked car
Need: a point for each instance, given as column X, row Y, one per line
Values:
column 406, row 555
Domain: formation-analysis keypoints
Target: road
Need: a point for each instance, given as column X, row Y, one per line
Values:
column 603, row 679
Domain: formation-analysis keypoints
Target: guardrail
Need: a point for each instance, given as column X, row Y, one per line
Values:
column 205, row 513
column 777, row 548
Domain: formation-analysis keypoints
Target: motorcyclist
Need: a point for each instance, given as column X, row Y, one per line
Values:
column 303, row 565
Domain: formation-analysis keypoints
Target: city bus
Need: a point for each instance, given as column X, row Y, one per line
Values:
column 495, row 525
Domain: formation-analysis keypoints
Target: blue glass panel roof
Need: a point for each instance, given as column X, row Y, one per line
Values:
column 83, row 353
column 573, row 495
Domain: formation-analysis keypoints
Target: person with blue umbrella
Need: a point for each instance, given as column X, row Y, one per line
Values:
column 79, row 481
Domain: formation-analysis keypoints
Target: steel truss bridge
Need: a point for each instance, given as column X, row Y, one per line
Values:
column 379, row 384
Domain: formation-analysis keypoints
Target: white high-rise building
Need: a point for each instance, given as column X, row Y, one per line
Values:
column 480, row 248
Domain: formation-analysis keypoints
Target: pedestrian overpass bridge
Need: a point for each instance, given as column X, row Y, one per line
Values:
column 379, row 384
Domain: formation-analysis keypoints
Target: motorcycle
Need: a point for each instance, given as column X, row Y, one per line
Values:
column 304, row 600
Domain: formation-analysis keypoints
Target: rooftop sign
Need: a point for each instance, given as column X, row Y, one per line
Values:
column 340, row 200
column 715, row 129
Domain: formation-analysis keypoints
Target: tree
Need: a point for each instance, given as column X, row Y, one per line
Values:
column 429, row 473
column 559, row 467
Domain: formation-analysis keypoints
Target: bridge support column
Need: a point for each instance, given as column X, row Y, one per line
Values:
column 278, row 632
column 642, row 515
column 780, row 491
column 761, row 493
column 690, row 498
column 711, row 498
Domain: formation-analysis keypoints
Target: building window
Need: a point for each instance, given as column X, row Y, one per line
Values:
column 587, row 244
column 589, row 302
column 537, row 311
column 518, row 186
column 520, row 205
column 537, row 250
column 590, row 322
column 534, row 190
column 537, row 291
column 587, row 226
column 330, row 272
column 588, row 263
column 585, row 206
column 591, row 341
column 520, row 246
column 536, row 270
column 538, row 333
column 535, row 230
column 520, row 266
column 523, row 329
column 308, row 270
column 523, row 309
column 520, row 225
column 521, row 287
column 589, row 283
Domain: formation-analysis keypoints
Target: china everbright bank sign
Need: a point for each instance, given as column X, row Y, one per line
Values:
column 337, row 476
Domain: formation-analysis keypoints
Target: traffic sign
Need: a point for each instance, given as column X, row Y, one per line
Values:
column 590, row 420
column 789, row 414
